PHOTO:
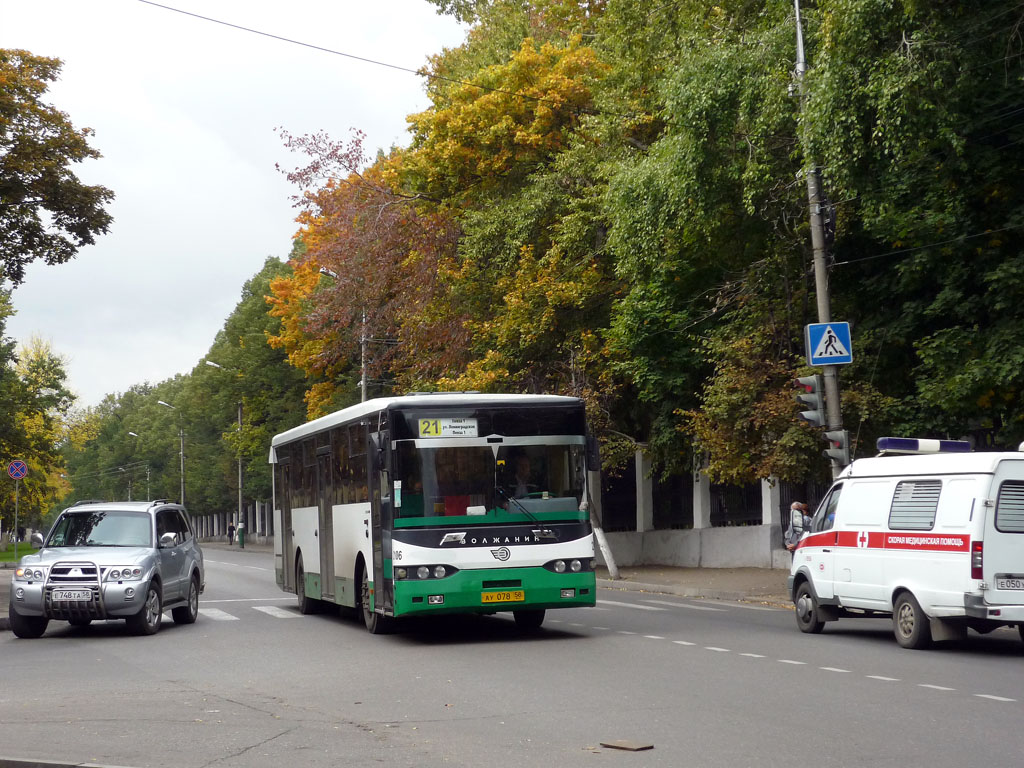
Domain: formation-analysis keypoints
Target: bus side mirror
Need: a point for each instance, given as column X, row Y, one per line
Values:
column 593, row 454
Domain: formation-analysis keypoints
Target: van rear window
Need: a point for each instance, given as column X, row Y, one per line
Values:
column 914, row 504
column 1010, row 507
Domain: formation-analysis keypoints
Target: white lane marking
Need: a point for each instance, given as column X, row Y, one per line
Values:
column 682, row 642
column 276, row 611
column 631, row 605
column 993, row 698
column 833, row 669
column 626, row 632
column 605, row 628
column 217, row 614
column 576, row 624
column 753, row 655
column 681, row 605
column 935, row 687
column 249, row 600
column 749, row 607
column 881, row 677
column 716, row 649
column 790, row 661
column 235, row 565
column 654, row 637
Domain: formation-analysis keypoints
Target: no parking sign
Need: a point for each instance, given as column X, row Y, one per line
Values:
column 17, row 469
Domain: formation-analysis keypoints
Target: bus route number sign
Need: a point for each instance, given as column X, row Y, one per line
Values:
column 447, row 427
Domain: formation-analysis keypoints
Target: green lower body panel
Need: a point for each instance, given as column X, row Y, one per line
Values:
column 493, row 590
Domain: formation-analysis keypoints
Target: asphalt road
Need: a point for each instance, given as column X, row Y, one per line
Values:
column 707, row 683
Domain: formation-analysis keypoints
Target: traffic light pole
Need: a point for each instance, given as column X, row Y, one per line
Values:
column 817, row 220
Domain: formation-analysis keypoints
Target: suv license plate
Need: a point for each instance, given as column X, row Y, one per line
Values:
column 71, row 594
column 1009, row 583
column 509, row 596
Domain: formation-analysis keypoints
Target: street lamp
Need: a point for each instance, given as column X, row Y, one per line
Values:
column 181, row 439
column 241, row 508
column 149, row 496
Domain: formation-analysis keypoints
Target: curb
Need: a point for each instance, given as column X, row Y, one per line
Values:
column 689, row 591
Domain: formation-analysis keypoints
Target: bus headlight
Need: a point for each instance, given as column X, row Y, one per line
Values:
column 576, row 566
column 439, row 572
column 559, row 566
column 423, row 572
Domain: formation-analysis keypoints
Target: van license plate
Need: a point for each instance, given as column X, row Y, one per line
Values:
column 508, row 596
column 1009, row 583
column 71, row 594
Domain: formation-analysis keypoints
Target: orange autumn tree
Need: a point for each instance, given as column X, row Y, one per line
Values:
column 369, row 266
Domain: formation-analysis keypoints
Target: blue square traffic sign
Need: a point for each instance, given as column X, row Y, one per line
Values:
column 828, row 344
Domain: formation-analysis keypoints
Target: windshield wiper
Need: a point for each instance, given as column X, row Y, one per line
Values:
column 544, row 533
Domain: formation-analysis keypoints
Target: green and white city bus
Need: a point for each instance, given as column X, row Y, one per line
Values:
column 437, row 503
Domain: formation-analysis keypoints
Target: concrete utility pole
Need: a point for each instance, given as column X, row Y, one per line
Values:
column 821, row 289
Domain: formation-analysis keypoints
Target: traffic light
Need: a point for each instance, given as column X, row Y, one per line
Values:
column 813, row 396
column 839, row 446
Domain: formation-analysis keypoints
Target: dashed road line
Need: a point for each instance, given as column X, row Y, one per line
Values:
column 682, row 642
column 833, row 669
column 791, row 661
column 935, row 687
column 883, row 678
column 716, row 649
column 249, row 600
column 691, row 606
column 630, row 605
column 754, row 655
column 654, row 637
column 993, row 698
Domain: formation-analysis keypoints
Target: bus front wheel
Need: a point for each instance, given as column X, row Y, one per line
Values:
column 375, row 623
column 529, row 619
column 307, row 604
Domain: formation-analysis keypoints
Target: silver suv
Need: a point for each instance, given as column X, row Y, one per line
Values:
column 110, row 560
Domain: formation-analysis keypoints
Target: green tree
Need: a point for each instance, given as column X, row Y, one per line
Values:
column 45, row 211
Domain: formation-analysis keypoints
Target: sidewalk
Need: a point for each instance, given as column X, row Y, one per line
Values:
column 756, row 585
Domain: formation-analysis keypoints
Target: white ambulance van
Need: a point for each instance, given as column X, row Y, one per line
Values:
column 928, row 533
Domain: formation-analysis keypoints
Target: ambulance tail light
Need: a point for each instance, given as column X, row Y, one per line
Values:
column 977, row 559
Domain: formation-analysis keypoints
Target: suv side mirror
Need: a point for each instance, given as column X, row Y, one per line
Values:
column 36, row 540
column 169, row 540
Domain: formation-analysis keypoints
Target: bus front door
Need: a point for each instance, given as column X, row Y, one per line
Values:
column 380, row 521
column 325, row 503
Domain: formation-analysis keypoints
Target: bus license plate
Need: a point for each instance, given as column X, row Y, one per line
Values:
column 509, row 596
column 71, row 594
column 1010, row 583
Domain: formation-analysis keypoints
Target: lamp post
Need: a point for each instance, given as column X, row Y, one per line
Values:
column 149, row 496
column 181, row 439
column 241, row 508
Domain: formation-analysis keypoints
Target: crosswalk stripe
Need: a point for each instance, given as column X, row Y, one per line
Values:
column 217, row 614
column 277, row 611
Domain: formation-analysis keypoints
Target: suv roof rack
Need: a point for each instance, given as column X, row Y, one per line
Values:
column 446, row 392
column 88, row 501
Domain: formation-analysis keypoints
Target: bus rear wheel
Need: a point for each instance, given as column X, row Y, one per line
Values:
column 529, row 619
column 375, row 623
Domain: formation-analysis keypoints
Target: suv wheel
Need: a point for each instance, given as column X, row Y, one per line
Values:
column 27, row 626
column 188, row 613
column 147, row 620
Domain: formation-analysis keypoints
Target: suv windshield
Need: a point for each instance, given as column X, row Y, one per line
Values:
column 102, row 529
column 476, row 480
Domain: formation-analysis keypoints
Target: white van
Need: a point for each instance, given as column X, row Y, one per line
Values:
column 928, row 533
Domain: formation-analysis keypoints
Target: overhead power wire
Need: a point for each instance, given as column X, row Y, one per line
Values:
column 417, row 72
column 902, row 251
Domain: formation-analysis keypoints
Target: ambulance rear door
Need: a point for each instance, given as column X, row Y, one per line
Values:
column 1003, row 554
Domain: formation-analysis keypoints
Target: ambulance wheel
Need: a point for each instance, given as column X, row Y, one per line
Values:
column 909, row 623
column 807, row 610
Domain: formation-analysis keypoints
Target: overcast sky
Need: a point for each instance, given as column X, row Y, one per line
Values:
column 185, row 113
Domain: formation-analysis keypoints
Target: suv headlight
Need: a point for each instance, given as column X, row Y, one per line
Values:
column 123, row 573
column 29, row 573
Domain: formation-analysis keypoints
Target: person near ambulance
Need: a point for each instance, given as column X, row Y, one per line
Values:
column 799, row 524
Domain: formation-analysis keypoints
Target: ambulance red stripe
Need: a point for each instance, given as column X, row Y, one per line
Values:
column 917, row 542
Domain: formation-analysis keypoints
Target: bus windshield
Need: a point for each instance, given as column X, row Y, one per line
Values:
column 481, row 479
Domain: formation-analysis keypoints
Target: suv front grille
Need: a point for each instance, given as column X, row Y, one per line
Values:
column 78, row 576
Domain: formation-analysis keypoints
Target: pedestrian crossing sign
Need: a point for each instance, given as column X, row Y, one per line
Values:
column 828, row 344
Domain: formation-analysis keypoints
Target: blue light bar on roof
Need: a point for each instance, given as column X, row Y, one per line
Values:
column 920, row 445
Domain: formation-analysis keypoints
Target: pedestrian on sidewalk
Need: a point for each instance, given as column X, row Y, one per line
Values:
column 231, row 534
column 799, row 524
